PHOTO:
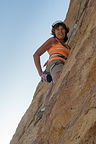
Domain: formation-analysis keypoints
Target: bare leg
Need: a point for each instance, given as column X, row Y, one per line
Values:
column 46, row 99
column 55, row 78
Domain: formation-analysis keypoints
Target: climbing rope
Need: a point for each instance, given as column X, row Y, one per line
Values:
column 76, row 23
column 77, row 19
column 89, row 5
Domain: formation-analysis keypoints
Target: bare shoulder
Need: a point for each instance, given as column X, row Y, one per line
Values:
column 45, row 46
column 49, row 43
column 52, row 40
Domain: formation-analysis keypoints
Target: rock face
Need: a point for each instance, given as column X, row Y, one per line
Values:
column 70, row 117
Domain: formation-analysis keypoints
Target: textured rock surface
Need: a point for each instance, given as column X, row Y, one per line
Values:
column 70, row 117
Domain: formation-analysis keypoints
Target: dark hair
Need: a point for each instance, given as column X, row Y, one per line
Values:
column 54, row 26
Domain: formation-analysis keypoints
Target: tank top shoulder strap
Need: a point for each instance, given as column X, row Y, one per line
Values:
column 57, row 40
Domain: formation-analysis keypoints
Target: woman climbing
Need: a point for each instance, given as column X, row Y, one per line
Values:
column 58, row 52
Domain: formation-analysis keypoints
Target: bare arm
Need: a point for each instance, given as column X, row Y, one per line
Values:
column 41, row 51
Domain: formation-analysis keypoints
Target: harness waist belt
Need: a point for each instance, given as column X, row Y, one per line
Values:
column 57, row 54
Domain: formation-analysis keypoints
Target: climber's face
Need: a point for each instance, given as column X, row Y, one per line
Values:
column 60, row 32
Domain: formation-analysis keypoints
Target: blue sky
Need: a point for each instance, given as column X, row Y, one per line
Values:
column 24, row 27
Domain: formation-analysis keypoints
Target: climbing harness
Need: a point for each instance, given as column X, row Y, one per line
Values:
column 59, row 55
column 46, row 75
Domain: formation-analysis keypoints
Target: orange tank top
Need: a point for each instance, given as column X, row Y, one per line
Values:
column 58, row 49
